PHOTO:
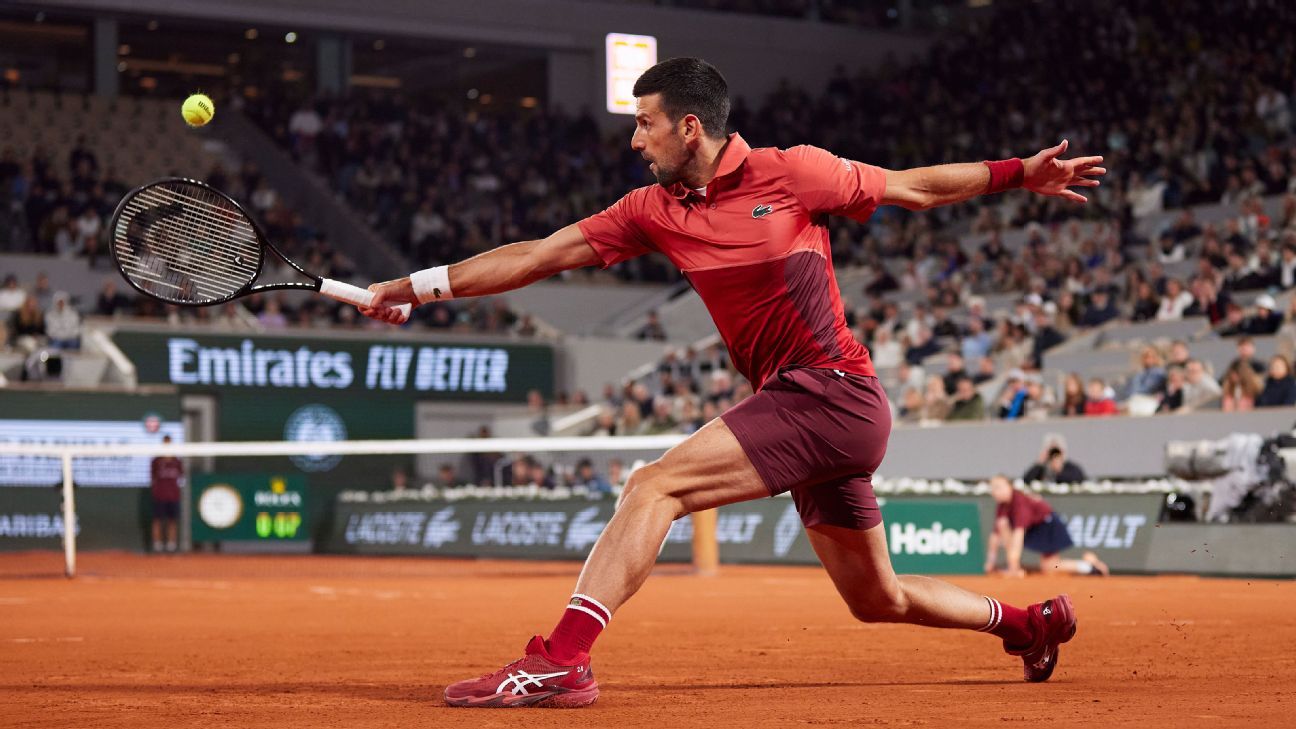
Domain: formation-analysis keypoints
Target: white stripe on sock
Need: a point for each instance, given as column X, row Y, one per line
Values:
column 607, row 614
column 593, row 613
column 996, row 614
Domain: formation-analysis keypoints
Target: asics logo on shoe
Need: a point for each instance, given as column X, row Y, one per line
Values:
column 761, row 211
column 521, row 680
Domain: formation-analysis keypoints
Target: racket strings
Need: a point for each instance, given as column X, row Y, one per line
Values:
column 186, row 244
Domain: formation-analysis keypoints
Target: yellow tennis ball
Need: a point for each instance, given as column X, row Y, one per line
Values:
column 198, row 110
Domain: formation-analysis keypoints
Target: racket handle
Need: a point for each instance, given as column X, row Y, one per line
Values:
column 349, row 294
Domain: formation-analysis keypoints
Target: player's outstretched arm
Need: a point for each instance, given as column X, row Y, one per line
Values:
column 1045, row 173
column 502, row 269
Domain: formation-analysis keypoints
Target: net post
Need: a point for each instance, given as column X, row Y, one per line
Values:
column 69, row 519
column 706, row 549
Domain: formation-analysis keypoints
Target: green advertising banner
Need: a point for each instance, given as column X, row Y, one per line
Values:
column 310, row 417
column 32, row 518
column 325, row 367
column 927, row 536
column 249, row 507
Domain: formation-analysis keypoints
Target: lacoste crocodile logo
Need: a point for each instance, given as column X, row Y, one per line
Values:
column 761, row 211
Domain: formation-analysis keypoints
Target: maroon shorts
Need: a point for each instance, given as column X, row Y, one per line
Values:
column 819, row 434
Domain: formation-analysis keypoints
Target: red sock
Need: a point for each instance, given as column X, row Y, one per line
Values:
column 578, row 627
column 1010, row 623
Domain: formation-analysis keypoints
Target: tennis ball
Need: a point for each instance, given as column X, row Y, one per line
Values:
column 198, row 110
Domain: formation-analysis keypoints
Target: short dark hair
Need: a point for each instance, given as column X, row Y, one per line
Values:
column 689, row 86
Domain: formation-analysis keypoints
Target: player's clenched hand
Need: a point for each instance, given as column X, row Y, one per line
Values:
column 387, row 296
column 1047, row 174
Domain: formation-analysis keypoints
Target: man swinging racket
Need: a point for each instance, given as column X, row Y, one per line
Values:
column 749, row 229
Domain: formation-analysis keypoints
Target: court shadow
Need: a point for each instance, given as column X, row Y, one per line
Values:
column 252, row 691
column 749, row 686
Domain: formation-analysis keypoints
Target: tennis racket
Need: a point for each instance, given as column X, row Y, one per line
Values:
column 184, row 242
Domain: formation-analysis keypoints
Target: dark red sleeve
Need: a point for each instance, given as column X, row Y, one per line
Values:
column 1001, row 510
column 826, row 183
column 616, row 234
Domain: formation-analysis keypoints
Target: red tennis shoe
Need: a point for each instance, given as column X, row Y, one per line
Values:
column 1053, row 622
column 535, row 679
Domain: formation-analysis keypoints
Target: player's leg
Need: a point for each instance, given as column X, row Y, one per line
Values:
column 707, row 470
column 859, row 564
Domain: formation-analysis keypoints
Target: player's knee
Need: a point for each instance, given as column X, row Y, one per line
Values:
column 1049, row 562
column 644, row 490
column 884, row 606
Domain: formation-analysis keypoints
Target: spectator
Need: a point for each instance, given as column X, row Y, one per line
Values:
column 1073, row 395
column 590, row 481
column 616, row 474
column 605, row 422
column 27, row 325
column 110, row 301
column 272, row 316
column 885, row 350
column 1239, row 387
column 1280, row 387
column 977, row 341
column 1099, row 401
column 936, row 404
column 447, row 478
column 1012, row 399
column 1246, row 355
column 985, row 371
column 954, row 371
column 1151, row 379
column 631, row 419
column 1179, row 354
column 652, row 330
column 1102, row 309
column 539, row 411
column 910, row 409
column 399, row 480
column 967, row 403
column 663, row 419
column 1266, row 319
column 1173, row 398
column 1199, row 388
column 921, row 346
column 1054, row 467
column 1175, row 302
column 1207, row 301
column 1146, row 303
column 1039, row 399
column 11, row 295
column 63, row 324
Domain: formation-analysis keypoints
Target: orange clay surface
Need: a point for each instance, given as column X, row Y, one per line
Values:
column 242, row 641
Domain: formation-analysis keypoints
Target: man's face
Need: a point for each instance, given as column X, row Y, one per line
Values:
column 659, row 141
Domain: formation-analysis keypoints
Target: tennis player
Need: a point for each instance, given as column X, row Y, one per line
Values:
column 749, row 229
column 1026, row 521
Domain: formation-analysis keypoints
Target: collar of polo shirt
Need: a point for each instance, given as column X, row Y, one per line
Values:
column 731, row 158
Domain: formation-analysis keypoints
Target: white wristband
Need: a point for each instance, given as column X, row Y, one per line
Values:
column 432, row 284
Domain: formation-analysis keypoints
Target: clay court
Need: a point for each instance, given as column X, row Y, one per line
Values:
column 215, row 641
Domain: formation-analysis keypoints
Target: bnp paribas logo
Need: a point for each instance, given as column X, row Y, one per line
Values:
column 761, row 211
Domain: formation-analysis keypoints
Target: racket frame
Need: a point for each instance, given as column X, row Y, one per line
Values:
column 250, row 287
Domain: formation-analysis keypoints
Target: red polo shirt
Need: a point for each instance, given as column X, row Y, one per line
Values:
column 755, row 247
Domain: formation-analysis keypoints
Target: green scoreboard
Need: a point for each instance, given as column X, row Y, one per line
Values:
column 249, row 507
